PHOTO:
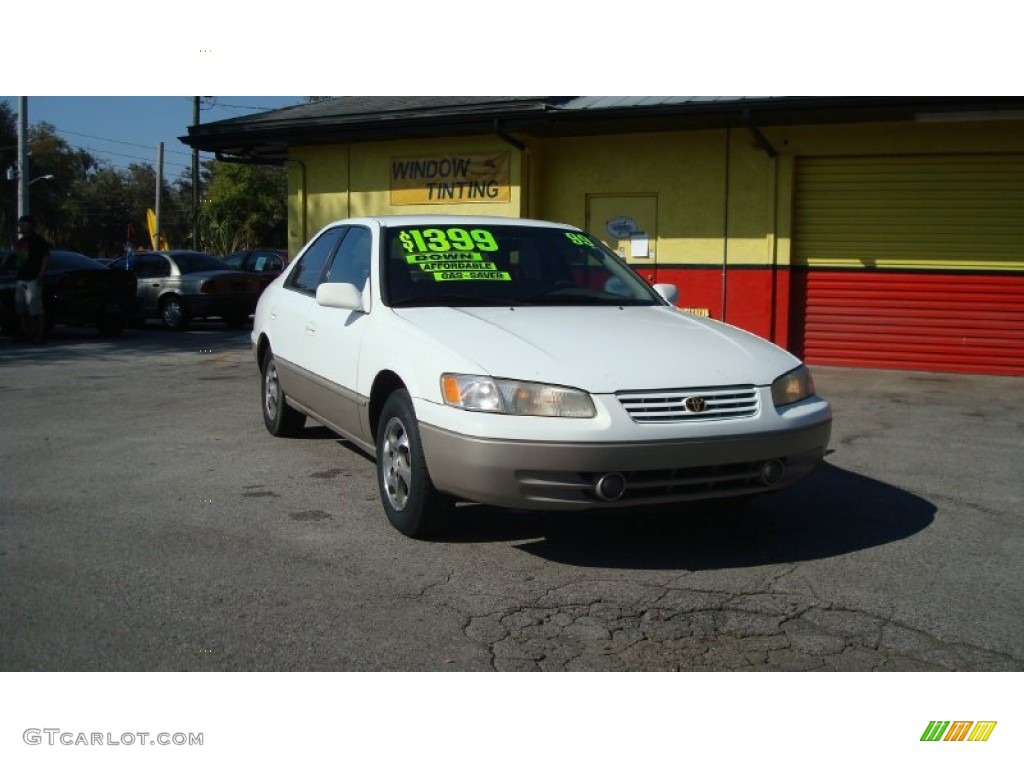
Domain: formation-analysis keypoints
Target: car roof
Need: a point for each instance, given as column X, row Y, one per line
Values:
column 435, row 219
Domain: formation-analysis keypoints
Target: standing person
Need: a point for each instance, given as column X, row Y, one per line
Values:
column 33, row 256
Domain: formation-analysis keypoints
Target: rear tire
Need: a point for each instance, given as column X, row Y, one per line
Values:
column 280, row 419
column 174, row 314
column 411, row 502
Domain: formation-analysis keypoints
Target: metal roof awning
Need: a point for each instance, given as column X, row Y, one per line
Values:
column 266, row 137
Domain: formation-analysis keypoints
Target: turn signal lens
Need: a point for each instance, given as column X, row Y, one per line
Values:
column 793, row 387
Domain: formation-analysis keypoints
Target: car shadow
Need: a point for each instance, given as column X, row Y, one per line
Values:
column 68, row 342
column 830, row 513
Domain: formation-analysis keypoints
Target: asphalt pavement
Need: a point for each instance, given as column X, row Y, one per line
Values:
column 149, row 522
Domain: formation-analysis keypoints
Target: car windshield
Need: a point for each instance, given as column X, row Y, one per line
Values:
column 498, row 265
column 197, row 262
column 72, row 260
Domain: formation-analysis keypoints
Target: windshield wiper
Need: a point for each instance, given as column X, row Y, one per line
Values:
column 451, row 300
column 580, row 299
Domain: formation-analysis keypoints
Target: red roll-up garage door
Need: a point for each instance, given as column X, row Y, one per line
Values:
column 913, row 263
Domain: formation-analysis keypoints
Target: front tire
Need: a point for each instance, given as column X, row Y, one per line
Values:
column 412, row 504
column 280, row 419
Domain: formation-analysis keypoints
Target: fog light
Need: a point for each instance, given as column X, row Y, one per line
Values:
column 772, row 472
column 610, row 487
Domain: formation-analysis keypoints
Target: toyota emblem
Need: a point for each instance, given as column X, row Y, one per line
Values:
column 695, row 404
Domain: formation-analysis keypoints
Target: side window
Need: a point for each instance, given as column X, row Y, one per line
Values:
column 352, row 262
column 152, row 266
column 143, row 266
column 265, row 261
column 305, row 276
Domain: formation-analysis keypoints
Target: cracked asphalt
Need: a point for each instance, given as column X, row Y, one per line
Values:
column 149, row 522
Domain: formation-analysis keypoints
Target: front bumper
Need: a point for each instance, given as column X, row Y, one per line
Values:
column 563, row 475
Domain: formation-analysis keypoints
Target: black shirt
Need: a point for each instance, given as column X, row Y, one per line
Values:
column 32, row 250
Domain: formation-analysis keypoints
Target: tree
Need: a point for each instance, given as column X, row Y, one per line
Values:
column 8, row 159
column 243, row 206
column 88, row 205
column 99, row 214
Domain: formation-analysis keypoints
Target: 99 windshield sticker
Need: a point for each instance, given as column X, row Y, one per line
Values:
column 452, row 254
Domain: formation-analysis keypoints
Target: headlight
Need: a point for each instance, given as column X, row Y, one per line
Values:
column 792, row 387
column 517, row 398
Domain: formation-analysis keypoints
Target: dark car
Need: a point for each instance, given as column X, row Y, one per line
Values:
column 266, row 263
column 76, row 291
column 180, row 286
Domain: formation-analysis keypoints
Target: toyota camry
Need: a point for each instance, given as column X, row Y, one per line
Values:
column 523, row 364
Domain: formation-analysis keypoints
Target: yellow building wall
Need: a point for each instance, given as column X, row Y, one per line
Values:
column 688, row 172
column 327, row 183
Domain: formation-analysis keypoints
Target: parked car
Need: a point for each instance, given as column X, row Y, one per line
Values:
column 523, row 364
column 76, row 291
column 180, row 286
column 267, row 263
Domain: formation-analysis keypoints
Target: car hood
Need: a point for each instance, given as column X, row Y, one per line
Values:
column 603, row 349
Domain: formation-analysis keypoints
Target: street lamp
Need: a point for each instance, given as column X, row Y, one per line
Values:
column 47, row 177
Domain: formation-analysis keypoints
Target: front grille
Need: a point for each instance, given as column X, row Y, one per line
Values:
column 678, row 405
column 659, row 486
column 646, row 486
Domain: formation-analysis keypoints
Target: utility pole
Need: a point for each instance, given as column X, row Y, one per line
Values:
column 195, row 180
column 23, row 170
column 159, row 185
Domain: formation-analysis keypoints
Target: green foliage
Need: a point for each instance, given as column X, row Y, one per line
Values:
column 243, row 206
column 8, row 159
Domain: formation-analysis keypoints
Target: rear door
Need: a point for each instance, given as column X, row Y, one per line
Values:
column 152, row 272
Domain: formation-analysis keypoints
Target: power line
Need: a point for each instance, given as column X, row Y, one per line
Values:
column 118, row 141
column 148, row 161
column 213, row 102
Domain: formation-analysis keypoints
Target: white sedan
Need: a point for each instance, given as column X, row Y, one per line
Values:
column 523, row 364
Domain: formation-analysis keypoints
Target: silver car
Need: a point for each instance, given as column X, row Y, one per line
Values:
column 180, row 286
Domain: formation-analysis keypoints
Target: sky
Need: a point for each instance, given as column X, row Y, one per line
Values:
column 121, row 130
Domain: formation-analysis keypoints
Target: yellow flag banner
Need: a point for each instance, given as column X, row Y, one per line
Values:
column 162, row 244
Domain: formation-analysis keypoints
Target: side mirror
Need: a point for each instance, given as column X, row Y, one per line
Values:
column 340, row 296
column 668, row 292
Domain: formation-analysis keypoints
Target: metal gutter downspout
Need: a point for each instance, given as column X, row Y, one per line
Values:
column 506, row 138
column 301, row 201
column 759, row 138
column 765, row 146
column 524, row 186
column 725, row 220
